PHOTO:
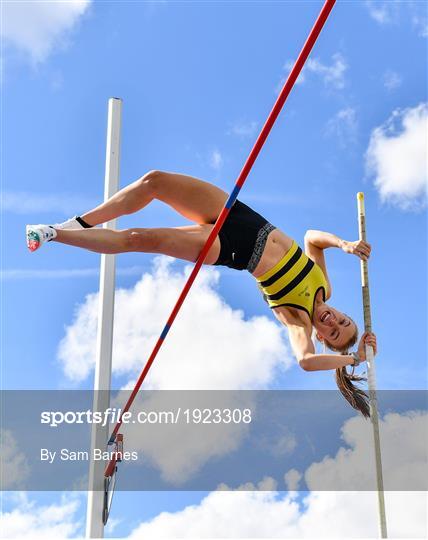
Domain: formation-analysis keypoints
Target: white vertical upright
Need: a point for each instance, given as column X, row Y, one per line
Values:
column 102, row 382
column 371, row 373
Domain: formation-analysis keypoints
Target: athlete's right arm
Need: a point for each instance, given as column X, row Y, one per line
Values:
column 301, row 343
column 303, row 346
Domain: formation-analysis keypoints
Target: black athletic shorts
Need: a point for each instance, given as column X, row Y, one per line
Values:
column 243, row 238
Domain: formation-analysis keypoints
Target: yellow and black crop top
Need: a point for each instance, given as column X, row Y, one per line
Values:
column 294, row 281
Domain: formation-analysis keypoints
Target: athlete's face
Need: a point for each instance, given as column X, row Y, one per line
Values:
column 333, row 326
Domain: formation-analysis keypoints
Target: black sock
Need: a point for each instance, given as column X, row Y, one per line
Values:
column 83, row 222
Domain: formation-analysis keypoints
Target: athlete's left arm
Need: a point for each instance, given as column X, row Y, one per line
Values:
column 315, row 244
column 317, row 241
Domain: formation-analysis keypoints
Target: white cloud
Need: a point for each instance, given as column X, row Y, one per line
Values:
column 404, row 456
column 420, row 22
column 36, row 28
column 210, row 346
column 386, row 12
column 236, row 352
column 192, row 447
column 23, row 202
column 243, row 129
column 216, row 160
column 332, row 75
column 260, row 511
column 252, row 512
column 112, row 524
column 383, row 11
column 224, row 514
column 392, row 80
column 344, row 126
column 269, row 514
column 29, row 520
column 14, row 465
column 292, row 479
column 397, row 158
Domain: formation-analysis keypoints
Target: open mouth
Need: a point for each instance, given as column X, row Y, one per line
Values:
column 326, row 316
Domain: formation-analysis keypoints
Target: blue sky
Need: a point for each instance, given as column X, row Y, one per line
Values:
column 197, row 81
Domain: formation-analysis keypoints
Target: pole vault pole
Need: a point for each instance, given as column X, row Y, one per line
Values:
column 102, row 380
column 371, row 373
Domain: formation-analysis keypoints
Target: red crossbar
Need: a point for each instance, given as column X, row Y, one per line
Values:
column 289, row 83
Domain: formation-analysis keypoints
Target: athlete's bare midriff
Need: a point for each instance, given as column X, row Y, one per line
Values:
column 277, row 245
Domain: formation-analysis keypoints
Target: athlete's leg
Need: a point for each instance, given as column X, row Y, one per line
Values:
column 195, row 199
column 180, row 242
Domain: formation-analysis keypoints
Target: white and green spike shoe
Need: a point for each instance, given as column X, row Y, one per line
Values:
column 38, row 235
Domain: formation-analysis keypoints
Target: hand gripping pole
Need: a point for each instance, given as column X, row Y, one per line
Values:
column 371, row 375
column 289, row 83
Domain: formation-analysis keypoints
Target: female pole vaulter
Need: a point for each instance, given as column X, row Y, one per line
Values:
column 294, row 283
